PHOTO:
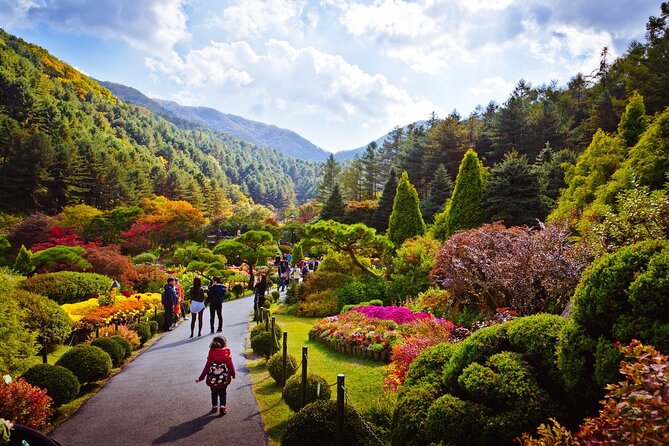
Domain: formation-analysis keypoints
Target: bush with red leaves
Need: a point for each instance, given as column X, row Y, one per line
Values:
column 23, row 403
column 109, row 261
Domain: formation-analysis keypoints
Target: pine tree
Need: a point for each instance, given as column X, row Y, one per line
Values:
column 406, row 220
column 382, row 214
column 330, row 177
column 465, row 210
column 370, row 171
column 633, row 122
column 23, row 260
column 439, row 190
column 334, row 208
column 513, row 193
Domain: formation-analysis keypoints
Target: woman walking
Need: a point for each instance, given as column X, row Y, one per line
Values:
column 260, row 289
column 196, row 305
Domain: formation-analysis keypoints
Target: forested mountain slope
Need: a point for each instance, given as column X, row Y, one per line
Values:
column 64, row 139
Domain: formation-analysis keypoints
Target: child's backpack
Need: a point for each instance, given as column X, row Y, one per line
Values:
column 218, row 376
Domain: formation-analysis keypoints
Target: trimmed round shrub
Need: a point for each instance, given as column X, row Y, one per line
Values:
column 275, row 366
column 293, row 388
column 88, row 363
column 275, row 296
column 261, row 327
column 145, row 257
column 408, row 426
column 153, row 325
column 60, row 383
column 45, row 317
column 267, row 303
column 262, row 344
column 316, row 424
column 68, row 287
column 428, row 366
column 124, row 343
column 237, row 289
column 455, row 421
column 143, row 329
column 115, row 350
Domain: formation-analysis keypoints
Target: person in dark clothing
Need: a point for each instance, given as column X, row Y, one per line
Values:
column 169, row 300
column 260, row 289
column 196, row 305
column 216, row 295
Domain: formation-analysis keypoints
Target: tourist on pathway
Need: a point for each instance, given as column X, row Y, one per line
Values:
column 284, row 274
column 196, row 305
column 296, row 275
column 216, row 294
column 219, row 371
column 180, row 294
column 260, row 288
column 169, row 300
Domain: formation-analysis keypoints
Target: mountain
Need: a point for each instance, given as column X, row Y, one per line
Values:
column 283, row 140
column 347, row 155
column 67, row 140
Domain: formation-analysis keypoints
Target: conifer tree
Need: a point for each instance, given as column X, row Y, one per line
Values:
column 334, row 208
column 512, row 192
column 465, row 210
column 382, row 213
column 406, row 221
column 633, row 122
column 439, row 190
column 330, row 177
column 23, row 260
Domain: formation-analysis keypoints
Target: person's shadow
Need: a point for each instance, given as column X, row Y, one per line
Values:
column 185, row 429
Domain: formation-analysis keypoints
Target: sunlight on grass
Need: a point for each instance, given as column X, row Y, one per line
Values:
column 364, row 378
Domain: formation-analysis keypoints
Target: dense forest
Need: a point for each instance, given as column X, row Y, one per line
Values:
column 66, row 140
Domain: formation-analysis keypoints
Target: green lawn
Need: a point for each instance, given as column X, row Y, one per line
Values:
column 364, row 378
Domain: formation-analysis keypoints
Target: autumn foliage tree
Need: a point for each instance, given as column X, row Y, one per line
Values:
column 108, row 261
column 494, row 266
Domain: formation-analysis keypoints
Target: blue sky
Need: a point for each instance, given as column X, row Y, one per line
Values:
column 339, row 72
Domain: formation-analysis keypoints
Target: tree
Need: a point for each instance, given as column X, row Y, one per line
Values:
column 465, row 210
column 406, row 220
column 385, row 208
column 550, row 168
column 370, row 165
column 353, row 181
column 411, row 267
column 22, row 261
column 633, row 121
column 252, row 248
column 354, row 240
column 59, row 258
column 439, row 190
column 334, row 207
column 330, row 176
column 512, row 193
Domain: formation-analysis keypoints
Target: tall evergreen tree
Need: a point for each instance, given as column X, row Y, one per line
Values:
column 330, row 176
column 633, row 122
column 406, row 220
column 465, row 210
column 370, row 166
column 334, row 208
column 512, row 192
column 382, row 214
column 439, row 190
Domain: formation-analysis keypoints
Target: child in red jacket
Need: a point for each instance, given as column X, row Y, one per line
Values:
column 219, row 372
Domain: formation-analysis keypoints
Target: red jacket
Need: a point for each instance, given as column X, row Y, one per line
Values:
column 218, row 355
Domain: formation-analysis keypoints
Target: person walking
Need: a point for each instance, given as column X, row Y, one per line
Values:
column 180, row 295
column 196, row 305
column 219, row 371
column 284, row 274
column 260, row 288
column 216, row 294
column 169, row 300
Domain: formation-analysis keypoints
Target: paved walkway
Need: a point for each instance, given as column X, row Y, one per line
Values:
column 155, row 401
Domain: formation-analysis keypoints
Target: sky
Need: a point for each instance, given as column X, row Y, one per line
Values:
column 341, row 73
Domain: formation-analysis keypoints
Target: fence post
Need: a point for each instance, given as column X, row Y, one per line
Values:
column 271, row 349
column 155, row 313
column 285, row 358
column 340, row 410
column 45, row 353
column 266, row 312
column 303, row 393
column 116, row 328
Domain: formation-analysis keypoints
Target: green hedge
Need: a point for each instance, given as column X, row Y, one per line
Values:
column 114, row 349
column 143, row 329
column 316, row 424
column 124, row 343
column 68, row 287
column 60, row 383
column 292, row 390
column 88, row 363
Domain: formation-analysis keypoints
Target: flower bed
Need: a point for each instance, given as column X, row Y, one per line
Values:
column 107, row 310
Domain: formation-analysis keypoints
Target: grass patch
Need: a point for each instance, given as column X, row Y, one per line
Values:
column 364, row 378
column 56, row 354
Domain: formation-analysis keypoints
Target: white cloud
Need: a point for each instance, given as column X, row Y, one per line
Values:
column 492, row 86
column 246, row 18
column 150, row 25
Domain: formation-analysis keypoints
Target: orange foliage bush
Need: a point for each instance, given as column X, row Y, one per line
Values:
column 23, row 403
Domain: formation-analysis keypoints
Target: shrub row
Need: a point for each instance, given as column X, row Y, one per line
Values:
column 67, row 286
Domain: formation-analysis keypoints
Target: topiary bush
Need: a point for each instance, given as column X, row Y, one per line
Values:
column 622, row 296
column 262, row 344
column 153, row 325
column 60, row 383
column 124, row 343
column 293, row 388
column 362, row 290
column 427, row 368
column 275, row 296
column 145, row 257
column 143, row 329
column 66, row 287
column 261, row 327
column 45, row 317
column 88, row 363
column 115, row 350
column 275, row 366
column 316, row 424
column 408, row 426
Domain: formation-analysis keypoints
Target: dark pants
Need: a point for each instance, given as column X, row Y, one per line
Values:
column 217, row 394
column 216, row 309
column 169, row 315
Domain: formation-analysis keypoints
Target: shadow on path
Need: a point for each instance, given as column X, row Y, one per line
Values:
column 185, row 429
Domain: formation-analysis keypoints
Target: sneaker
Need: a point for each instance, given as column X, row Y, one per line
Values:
column 223, row 411
column 214, row 410
column 185, row 319
column 220, row 330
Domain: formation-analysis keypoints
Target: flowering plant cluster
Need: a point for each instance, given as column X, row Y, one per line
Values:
column 400, row 315
column 358, row 330
column 87, row 314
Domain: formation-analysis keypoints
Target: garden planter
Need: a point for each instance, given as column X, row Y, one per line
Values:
column 377, row 355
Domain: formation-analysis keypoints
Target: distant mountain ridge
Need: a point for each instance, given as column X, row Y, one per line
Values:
column 347, row 155
column 283, row 140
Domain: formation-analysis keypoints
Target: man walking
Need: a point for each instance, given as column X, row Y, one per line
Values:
column 216, row 295
column 169, row 300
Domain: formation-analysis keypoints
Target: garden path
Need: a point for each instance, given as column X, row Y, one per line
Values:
column 155, row 399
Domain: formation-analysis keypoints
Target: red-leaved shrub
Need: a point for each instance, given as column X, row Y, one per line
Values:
column 25, row 404
column 109, row 261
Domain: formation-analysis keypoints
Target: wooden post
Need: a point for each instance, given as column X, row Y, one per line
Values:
column 303, row 393
column 116, row 328
column 273, row 346
column 285, row 359
column 266, row 312
column 45, row 353
column 340, row 410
